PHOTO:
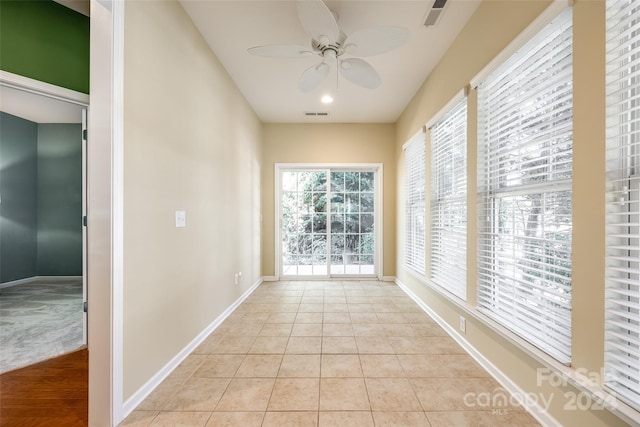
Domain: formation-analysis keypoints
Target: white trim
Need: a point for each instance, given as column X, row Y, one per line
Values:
column 534, row 408
column 163, row 373
column 27, row 84
column 277, row 225
column 332, row 279
column 105, row 367
column 37, row 87
column 117, row 211
column 553, row 10
column 329, row 277
column 448, row 106
column 378, row 215
column 36, row 278
column 85, row 216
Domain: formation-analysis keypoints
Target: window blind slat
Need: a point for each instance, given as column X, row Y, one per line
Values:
column 415, row 188
column 525, row 159
column 448, row 248
column 622, row 279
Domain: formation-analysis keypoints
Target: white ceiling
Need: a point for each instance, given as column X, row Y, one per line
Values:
column 270, row 85
column 230, row 27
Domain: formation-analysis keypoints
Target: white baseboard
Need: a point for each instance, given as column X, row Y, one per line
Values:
column 383, row 278
column 163, row 373
column 39, row 278
column 535, row 410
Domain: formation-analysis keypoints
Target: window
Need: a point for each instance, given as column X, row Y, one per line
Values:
column 622, row 284
column 415, row 202
column 524, row 177
column 328, row 220
column 449, row 201
column 352, row 222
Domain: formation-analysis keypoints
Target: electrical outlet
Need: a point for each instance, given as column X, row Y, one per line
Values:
column 463, row 325
column 236, row 278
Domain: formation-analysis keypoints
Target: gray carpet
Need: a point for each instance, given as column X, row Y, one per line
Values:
column 39, row 320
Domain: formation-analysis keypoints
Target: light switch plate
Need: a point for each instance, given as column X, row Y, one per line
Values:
column 181, row 219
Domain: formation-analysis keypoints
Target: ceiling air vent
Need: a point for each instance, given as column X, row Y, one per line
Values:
column 312, row 113
column 434, row 13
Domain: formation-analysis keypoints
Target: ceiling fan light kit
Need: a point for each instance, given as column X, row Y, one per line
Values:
column 330, row 44
column 326, row 99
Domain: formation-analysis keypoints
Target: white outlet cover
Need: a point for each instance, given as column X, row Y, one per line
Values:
column 181, row 219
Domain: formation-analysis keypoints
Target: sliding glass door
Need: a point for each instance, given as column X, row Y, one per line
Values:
column 352, row 223
column 304, row 228
column 327, row 221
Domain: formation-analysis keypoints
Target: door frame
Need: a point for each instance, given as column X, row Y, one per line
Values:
column 377, row 168
column 85, row 241
column 50, row 91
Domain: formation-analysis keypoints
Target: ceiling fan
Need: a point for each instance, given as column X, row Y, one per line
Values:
column 330, row 44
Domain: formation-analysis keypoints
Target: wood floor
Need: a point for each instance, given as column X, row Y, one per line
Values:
column 50, row 393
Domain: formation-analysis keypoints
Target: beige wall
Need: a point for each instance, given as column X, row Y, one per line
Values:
column 191, row 143
column 492, row 27
column 205, row 152
column 328, row 143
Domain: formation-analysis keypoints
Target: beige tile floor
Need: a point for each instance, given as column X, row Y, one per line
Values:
column 338, row 353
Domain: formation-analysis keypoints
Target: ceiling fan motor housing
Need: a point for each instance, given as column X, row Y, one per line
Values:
column 335, row 48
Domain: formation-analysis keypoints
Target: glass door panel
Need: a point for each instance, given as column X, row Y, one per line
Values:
column 352, row 223
column 328, row 223
column 304, row 223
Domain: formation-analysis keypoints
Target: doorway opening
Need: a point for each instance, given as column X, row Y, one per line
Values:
column 328, row 221
column 42, row 234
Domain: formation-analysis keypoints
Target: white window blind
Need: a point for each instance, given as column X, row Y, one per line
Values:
column 622, row 304
column 448, row 251
column 415, row 188
column 524, row 178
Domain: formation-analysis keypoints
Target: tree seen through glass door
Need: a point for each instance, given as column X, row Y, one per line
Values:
column 307, row 199
column 304, row 223
column 352, row 223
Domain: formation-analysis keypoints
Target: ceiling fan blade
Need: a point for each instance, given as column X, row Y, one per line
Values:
column 376, row 40
column 313, row 76
column 281, row 51
column 318, row 21
column 359, row 72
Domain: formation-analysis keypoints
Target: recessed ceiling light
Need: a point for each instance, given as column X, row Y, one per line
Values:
column 326, row 99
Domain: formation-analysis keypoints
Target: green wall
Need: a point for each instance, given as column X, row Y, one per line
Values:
column 45, row 41
column 59, row 200
column 41, row 206
column 18, row 207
